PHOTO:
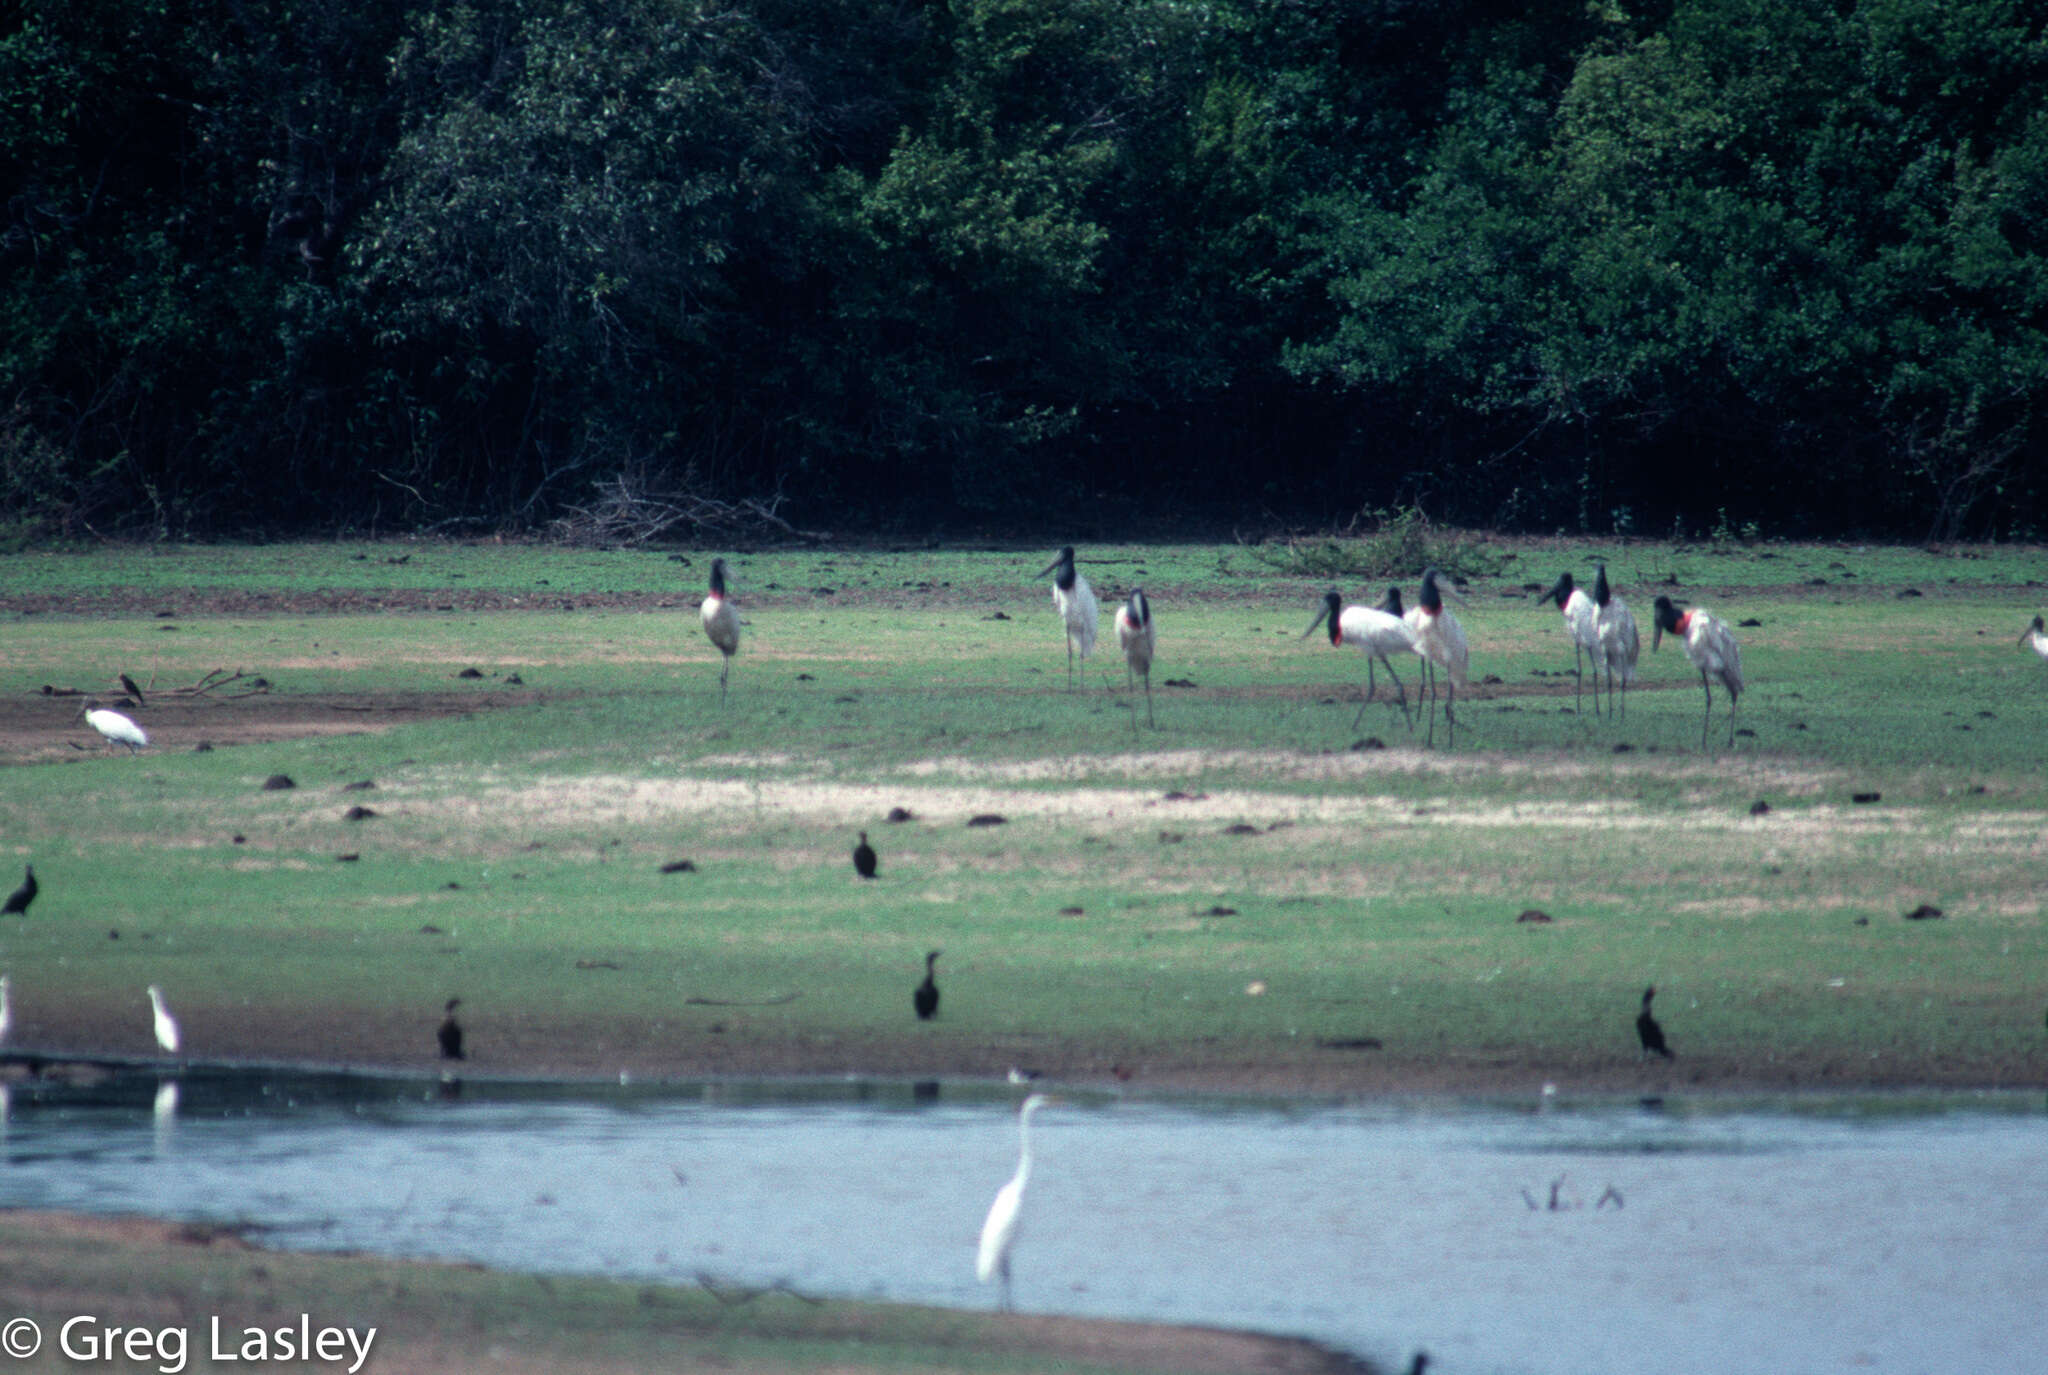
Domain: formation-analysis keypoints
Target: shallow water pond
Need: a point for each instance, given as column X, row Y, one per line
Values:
column 1896, row 1233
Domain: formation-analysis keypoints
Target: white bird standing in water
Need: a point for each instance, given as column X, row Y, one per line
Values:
column 721, row 624
column 1375, row 632
column 1076, row 603
column 2036, row 637
column 1137, row 638
column 1578, row 612
column 116, row 728
column 1440, row 640
column 1619, row 644
column 166, row 1026
column 1712, row 649
column 999, row 1231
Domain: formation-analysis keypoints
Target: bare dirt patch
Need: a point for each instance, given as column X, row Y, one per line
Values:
column 39, row 728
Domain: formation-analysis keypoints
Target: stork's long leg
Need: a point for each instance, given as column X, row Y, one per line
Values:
column 1371, row 691
column 1429, row 671
column 1708, row 714
column 1366, row 700
column 1148, row 701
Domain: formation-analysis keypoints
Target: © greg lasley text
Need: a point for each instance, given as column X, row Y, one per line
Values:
column 88, row 1338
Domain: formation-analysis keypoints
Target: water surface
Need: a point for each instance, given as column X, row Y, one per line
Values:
column 1893, row 1233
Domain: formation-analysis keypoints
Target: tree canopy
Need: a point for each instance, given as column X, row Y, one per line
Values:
column 318, row 265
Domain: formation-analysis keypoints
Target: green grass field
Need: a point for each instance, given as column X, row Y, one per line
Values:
column 515, row 856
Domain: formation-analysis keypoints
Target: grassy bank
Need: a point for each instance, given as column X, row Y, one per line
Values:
column 1253, row 894
column 173, row 1282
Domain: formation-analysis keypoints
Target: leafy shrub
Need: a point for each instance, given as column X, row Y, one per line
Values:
column 1399, row 544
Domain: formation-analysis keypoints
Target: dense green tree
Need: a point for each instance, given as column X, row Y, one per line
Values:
column 1604, row 266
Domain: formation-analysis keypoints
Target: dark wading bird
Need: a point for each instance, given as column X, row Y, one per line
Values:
column 864, row 857
column 20, row 898
column 1136, row 637
column 1712, row 649
column 1075, row 601
column 450, row 1032
column 1647, row 1030
column 926, row 998
column 721, row 624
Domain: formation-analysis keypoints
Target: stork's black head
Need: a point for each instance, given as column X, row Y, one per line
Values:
column 1141, row 610
column 1391, row 603
column 1062, row 569
column 1560, row 591
column 1432, row 598
column 1601, row 592
column 1664, row 614
column 718, row 577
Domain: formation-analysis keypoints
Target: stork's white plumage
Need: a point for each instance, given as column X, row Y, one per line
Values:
column 1440, row 640
column 1374, row 632
column 999, row 1229
column 1615, row 626
column 166, row 1025
column 113, row 726
column 2036, row 637
column 1711, row 647
column 721, row 623
column 1075, row 601
column 1137, row 638
column 1578, row 612
column 6, row 1010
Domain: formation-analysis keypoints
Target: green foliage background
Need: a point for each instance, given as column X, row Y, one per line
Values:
column 317, row 266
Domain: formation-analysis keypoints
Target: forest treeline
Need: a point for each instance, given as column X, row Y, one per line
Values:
column 323, row 265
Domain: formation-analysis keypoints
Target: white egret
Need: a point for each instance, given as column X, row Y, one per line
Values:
column 1712, row 649
column 166, row 1025
column 20, row 898
column 721, row 624
column 1578, row 612
column 1137, row 638
column 1375, row 632
column 2036, row 637
column 1647, row 1030
column 999, row 1230
column 926, row 998
column 1075, row 601
column 1615, row 625
column 1440, row 640
column 117, row 729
